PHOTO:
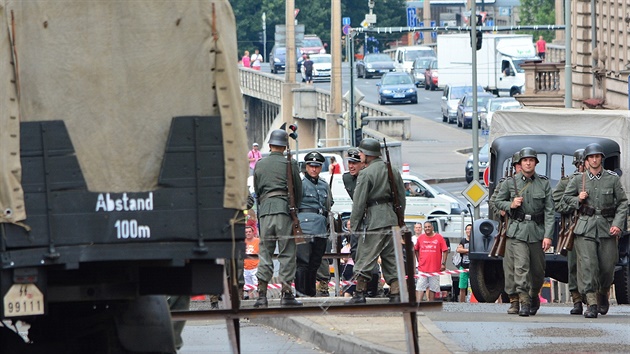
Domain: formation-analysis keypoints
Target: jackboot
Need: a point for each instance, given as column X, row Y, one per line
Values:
column 322, row 289
column 359, row 294
column 591, row 311
column 394, row 292
column 287, row 298
column 261, row 301
column 535, row 303
column 602, row 303
column 577, row 309
column 525, row 303
column 514, row 306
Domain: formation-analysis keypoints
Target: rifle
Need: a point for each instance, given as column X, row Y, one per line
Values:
column 568, row 246
column 400, row 214
column 296, row 229
column 498, row 247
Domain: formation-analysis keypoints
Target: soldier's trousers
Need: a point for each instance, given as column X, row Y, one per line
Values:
column 596, row 265
column 572, row 264
column 309, row 259
column 274, row 229
column 523, row 267
column 376, row 243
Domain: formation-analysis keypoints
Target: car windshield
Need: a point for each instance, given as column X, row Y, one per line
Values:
column 481, row 102
column 517, row 64
column 397, row 80
column 422, row 63
column 377, row 57
column 312, row 42
column 321, row 59
column 410, row 55
column 508, row 106
column 458, row 92
column 485, row 149
column 281, row 53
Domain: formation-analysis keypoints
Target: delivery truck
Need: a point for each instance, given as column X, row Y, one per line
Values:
column 121, row 124
column 498, row 61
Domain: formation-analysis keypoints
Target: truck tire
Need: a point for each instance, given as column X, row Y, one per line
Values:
column 622, row 285
column 486, row 280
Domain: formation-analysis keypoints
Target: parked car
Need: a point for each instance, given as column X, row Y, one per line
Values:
column 450, row 99
column 374, row 64
column 397, row 87
column 497, row 104
column 431, row 76
column 278, row 57
column 420, row 65
column 465, row 108
column 322, row 64
column 483, row 162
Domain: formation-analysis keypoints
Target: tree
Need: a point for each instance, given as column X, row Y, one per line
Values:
column 538, row 12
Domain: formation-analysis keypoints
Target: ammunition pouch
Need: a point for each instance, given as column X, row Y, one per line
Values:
column 609, row 212
column 379, row 201
column 586, row 210
column 519, row 215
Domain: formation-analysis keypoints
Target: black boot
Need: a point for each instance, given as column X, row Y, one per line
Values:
column 514, row 305
column 394, row 292
column 262, row 295
column 287, row 298
column 591, row 311
column 577, row 309
column 359, row 295
column 602, row 303
column 535, row 304
column 525, row 303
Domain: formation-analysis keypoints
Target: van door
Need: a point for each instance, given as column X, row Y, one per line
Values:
column 507, row 77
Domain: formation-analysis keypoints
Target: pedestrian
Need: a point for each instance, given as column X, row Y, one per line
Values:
column 271, row 187
column 541, row 47
column 527, row 199
column 463, row 249
column 308, row 69
column 566, row 212
column 253, row 155
column 602, row 204
column 313, row 215
column 245, row 61
column 256, row 60
column 334, row 167
column 373, row 215
column 250, row 265
column 431, row 252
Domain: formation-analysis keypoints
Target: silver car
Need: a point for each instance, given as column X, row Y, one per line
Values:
column 450, row 98
column 420, row 65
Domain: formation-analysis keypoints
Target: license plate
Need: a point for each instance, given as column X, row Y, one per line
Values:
column 23, row 300
column 399, row 95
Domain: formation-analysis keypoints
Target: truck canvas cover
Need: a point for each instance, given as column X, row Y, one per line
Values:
column 89, row 63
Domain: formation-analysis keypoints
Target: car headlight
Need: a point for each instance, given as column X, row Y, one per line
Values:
column 386, row 91
column 276, row 60
column 410, row 90
column 467, row 114
column 369, row 66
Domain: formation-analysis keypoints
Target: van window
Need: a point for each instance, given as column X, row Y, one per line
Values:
column 411, row 55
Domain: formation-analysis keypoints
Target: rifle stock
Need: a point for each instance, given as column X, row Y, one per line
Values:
column 568, row 244
column 400, row 214
column 498, row 247
column 296, row 229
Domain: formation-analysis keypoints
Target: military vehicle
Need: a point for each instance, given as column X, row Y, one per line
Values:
column 122, row 169
column 555, row 134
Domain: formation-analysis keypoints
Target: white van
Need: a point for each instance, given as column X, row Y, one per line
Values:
column 405, row 56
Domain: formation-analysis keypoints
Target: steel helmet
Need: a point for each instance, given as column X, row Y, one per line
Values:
column 314, row 158
column 578, row 157
column 353, row 155
column 593, row 149
column 527, row 152
column 516, row 158
column 370, row 147
column 279, row 137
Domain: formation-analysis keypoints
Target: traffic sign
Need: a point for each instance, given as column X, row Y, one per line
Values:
column 475, row 193
column 411, row 17
column 486, row 176
column 345, row 21
column 346, row 29
column 433, row 33
column 365, row 24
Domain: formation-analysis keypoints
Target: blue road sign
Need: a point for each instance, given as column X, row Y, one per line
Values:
column 346, row 29
column 421, row 24
column 411, row 17
column 434, row 33
column 345, row 21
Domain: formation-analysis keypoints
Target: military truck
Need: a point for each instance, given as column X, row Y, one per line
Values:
column 555, row 134
column 122, row 169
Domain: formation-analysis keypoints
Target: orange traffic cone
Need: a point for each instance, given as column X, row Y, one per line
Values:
column 472, row 297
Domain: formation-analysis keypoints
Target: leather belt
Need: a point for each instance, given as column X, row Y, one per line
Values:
column 521, row 216
column 275, row 193
column 313, row 210
column 374, row 202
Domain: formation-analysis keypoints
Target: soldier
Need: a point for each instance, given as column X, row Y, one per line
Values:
column 271, row 186
column 493, row 209
column 602, row 204
column 373, row 204
column 565, row 210
column 354, row 167
column 526, row 197
column 313, row 214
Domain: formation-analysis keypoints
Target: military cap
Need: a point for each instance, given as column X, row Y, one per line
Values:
column 594, row 149
column 314, row 158
column 353, row 155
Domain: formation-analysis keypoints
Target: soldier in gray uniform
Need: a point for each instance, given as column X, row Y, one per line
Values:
column 313, row 215
column 372, row 203
column 354, row 167
column 271, row 186
column 493, row 209
column 527, row 199
column 602, row 204
column 565, row 210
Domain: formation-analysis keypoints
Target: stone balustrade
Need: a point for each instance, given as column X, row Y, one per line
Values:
column 544, row 82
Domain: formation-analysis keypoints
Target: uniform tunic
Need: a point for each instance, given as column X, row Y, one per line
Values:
column 525, row 268
column 596, row 249
column 373, row 184
column 562, row 208
column 270, row 176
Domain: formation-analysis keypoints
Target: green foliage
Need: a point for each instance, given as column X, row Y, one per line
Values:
column 538, row 12
column 314, row 15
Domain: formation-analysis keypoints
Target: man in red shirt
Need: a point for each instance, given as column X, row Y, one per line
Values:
column 250, row 265
column 541, row 47
column 431, row 251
